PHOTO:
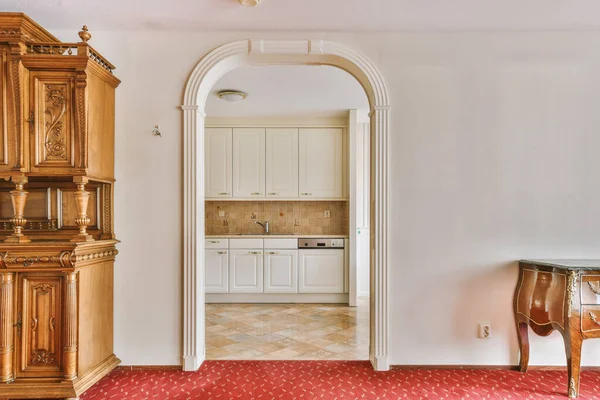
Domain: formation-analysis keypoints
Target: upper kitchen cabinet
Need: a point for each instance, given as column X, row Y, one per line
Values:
column 218, row 144
column 275, row 163
column 321, row 163
column 282, row 162
column 59, row 118
column 249, row 163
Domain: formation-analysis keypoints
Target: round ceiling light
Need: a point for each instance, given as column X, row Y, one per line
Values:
column 250, row 3
column 231, row 95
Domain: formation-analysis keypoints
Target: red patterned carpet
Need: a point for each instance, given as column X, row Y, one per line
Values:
column 330, row 380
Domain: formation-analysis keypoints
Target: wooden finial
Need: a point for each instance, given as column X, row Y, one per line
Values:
column 84, row 34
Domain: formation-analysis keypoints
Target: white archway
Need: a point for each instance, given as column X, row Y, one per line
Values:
column 268, row 52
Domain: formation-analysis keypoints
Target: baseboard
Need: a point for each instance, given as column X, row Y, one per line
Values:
column 276, row 298
column 150, row 367
column 490, row 367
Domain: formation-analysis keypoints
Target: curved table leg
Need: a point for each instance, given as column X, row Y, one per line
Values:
column 573, row 344
column 523, row 335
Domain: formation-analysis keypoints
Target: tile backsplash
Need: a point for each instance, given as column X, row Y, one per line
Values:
column 293, row 217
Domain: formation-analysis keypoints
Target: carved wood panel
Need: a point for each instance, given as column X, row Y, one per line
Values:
column 53, row 142
column 40, row 312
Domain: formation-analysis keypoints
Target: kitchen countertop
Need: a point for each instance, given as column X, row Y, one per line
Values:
column 277, row 236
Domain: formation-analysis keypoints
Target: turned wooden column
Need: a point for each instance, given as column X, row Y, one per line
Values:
column 7, row 348
column 81, row 199
column 70, row 332
column 19, row 199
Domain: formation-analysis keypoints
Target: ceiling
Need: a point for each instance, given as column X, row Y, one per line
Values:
column 288, row 91
column 318, row 15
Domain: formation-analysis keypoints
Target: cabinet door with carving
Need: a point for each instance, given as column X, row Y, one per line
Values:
column 39, row 325
column 52, row 122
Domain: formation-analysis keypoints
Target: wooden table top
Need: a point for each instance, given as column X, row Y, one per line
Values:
column 567, row 264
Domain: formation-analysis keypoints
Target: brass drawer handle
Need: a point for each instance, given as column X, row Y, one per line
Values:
column 213, row 241
column 221, row 252
column 223, row 194
column 256, row 194
column 273, row 194
column 594, row 318
column 273, row 252
column 594, row 288
column 305, row 194
column 255, row 252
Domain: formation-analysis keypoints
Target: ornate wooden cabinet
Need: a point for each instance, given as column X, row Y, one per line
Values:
column 57, row 246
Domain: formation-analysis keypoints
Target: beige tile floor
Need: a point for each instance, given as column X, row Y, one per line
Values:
column 287, row 331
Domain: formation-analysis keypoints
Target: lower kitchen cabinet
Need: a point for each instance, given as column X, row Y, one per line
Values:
column 281, row 271
column 216, row 271
column 246, row 271
column 321, row 271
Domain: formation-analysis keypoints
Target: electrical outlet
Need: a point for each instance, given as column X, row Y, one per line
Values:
column 221, row 213
column 327, row 214
column 484, row 331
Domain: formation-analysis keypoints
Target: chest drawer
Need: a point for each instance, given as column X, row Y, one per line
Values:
column 590, row 289
column 590, row 318
column 216, row 243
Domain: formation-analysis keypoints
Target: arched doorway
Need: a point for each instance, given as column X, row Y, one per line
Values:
column 268, row 52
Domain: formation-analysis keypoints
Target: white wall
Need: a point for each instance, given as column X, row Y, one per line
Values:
column 494, row 157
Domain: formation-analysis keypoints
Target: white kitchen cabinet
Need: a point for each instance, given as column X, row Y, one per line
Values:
column 218, row 181
column 246, row 271
column 281, row 271
column 216, row 271
column 249, row 162
column 282, row 162
column 321, row 164
column 321, row 271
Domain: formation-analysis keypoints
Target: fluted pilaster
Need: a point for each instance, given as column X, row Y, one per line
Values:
column 70, row 332
column 7, row 348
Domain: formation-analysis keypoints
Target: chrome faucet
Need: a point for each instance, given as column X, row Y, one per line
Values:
column 265, row 225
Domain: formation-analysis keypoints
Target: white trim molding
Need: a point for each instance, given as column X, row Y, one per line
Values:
column 277, row 52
